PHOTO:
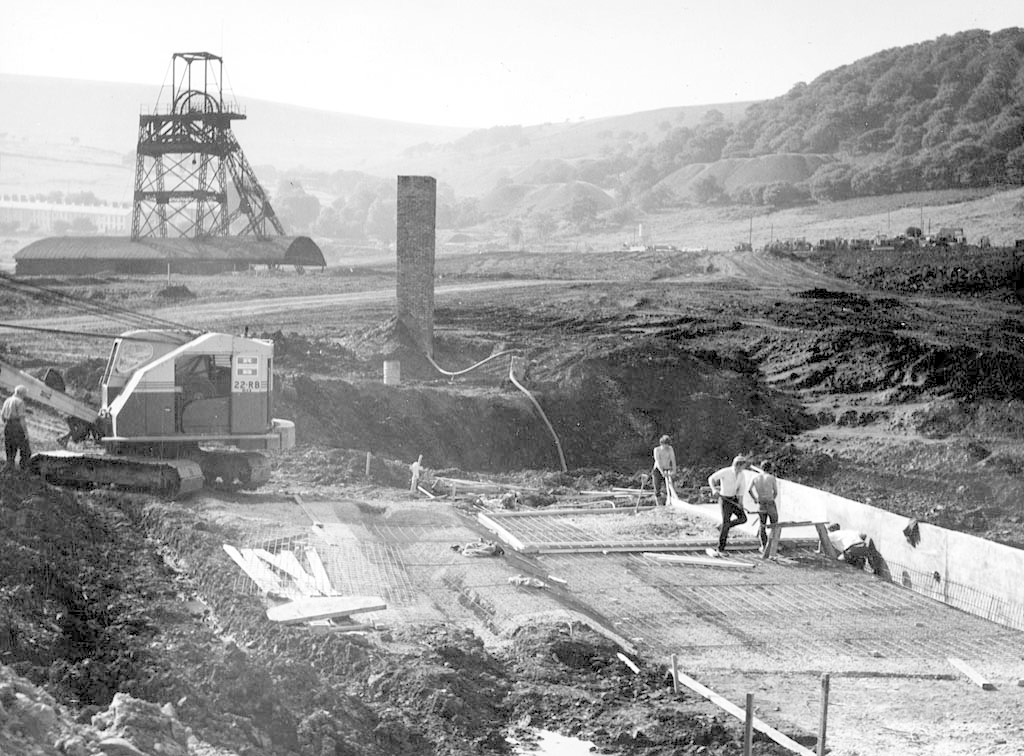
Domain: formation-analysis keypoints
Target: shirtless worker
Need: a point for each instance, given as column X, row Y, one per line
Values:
column 664, row 468
column 727, row 484
column 764, row 489
column 12, row 414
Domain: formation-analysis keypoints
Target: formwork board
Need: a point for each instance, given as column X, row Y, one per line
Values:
column 623, row 529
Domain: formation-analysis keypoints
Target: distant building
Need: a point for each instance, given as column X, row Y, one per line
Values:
column 76, row 255
column 50, row 217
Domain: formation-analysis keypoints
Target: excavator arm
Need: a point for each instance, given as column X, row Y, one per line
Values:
column 81, row 417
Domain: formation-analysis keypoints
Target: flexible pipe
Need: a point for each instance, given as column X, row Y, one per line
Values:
column 543, row 417
column 518, row 385
column 451, row 374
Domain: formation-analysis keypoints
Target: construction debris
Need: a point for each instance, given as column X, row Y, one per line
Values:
column 479, row 549
column 698, row 560
column 323, row 607
column 528, row 581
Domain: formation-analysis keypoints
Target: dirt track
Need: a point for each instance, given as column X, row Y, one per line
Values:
column 909, row 400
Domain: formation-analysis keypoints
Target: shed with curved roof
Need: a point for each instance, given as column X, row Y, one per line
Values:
column 72, row 255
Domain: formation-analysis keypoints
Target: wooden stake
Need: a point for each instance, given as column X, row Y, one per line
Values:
column 748, row 726
column 823, row 722
column 971, row 673
column 415, row 469
column 367, row 464
column 675, row 676
column 726, row 705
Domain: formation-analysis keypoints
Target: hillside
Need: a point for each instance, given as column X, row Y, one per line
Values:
column 941, row 115
column 74, row 135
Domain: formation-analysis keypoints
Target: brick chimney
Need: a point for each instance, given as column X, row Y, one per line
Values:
column 417, row 209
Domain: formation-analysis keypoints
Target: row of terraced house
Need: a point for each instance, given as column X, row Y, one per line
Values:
column 57, row 218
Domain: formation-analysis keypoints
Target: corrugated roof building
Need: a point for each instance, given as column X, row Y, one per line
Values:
column 73, row 255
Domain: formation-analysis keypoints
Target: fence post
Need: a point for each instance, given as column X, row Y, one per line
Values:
column 675, row 677
column 823, row 722
column 748, row 726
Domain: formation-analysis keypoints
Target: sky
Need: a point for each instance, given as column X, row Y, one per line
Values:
column 480, row 63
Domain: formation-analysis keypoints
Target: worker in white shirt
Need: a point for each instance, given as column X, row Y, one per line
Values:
column 853, row 546
column 12, row 415
column 664, row 468
column 727, row 484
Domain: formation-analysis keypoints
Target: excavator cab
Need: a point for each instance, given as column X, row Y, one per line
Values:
column 163, row 387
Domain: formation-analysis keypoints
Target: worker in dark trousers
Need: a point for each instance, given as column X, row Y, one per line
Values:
column 15, row 430
column 727, row 484
column 764, row 489
column 664, row 468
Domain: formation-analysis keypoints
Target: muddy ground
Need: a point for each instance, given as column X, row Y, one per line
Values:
column 121, row 625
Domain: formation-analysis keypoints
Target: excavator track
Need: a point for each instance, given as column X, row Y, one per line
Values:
column 232, row 470
column 168, row 478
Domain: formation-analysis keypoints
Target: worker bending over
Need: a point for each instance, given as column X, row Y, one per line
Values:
column 664, row 468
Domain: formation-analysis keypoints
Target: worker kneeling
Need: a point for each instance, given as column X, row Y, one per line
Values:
column 853, row 547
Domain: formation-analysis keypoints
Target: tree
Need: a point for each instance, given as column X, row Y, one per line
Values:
column 657, row 198
column 82, row 226
column 382, row 220
column 514, row 233
column 707, row 190
column 295, row 207
column 543, row 225
column 582, row 211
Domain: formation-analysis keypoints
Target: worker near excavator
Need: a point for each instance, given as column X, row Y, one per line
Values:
column 664, row 468
column 727, row 484
column 12, row 414
column 764, row 489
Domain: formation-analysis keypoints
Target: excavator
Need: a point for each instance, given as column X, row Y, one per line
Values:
column 179, row 411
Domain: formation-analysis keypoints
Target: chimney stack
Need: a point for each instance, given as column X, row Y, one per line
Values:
column 417, row 221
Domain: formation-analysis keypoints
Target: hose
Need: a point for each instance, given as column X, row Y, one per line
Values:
column 543, row 417
column 517, row 384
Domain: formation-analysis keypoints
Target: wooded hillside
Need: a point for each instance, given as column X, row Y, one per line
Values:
column 940, row 114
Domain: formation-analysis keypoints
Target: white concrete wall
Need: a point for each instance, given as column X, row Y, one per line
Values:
column 970, row 573
column 965, row 571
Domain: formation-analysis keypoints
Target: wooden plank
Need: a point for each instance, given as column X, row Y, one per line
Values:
column 698, row 560
column 260, row 574
column 288, row 564
column 628, row 662
column 323, row 607
column 569, row 511
column 762, row 727
column 502, row 533
column 773, row 544
column 971, row 673
column 320, row 576
column 826, row 543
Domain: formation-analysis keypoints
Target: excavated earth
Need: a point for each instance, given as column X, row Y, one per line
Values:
column 122, row 626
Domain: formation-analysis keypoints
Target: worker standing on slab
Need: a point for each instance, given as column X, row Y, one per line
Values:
column 664, row 468
column 764, row 489
column 727, row 484
column 12, row 414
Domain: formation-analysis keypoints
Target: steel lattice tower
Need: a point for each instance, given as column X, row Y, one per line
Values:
column 185, row 152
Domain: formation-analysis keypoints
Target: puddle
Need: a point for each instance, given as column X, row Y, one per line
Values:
column 548, row 743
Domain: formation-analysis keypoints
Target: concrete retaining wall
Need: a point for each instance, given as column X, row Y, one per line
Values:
column 970, row 573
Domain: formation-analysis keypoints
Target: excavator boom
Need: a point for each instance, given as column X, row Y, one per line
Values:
column 39, row 392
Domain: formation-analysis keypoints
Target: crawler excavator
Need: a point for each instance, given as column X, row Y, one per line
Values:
column 174, row 402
